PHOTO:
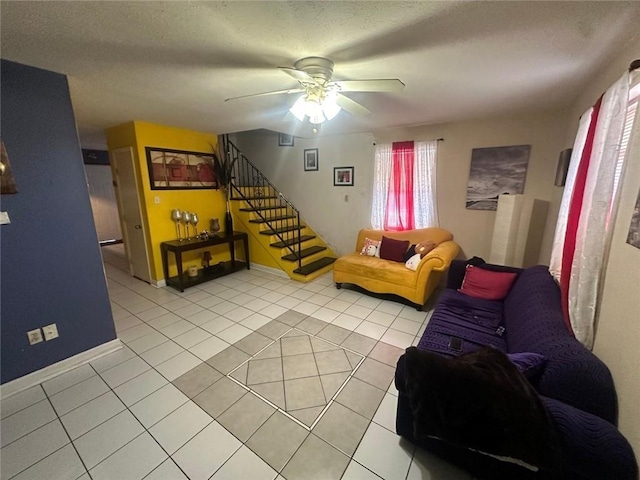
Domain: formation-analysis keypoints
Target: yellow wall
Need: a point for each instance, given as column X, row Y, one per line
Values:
column 156, row 216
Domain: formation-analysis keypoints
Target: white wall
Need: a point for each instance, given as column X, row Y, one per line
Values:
column 323, row 206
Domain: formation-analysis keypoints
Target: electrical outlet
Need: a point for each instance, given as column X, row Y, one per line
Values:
column 35, row 336
column 50, row 332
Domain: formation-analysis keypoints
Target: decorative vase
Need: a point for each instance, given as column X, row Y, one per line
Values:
column 214, row 225
column 228, row 224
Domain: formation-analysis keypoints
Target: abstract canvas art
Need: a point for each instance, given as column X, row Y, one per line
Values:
column 495, row 171
column 179, row 169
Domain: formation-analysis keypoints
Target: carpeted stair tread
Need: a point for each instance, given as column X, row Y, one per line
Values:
column 293, row 257
column 313, row 266
column 288, row 228
column 292, row 241
column 272, row 219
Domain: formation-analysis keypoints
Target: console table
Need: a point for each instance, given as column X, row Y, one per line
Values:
column 182, row 280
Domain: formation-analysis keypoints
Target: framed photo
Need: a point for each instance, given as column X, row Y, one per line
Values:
column 285, row 140
column 311, row 159
column 343, row 177
column 179, row 169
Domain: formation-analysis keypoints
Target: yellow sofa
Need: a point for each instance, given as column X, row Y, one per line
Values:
column 385, row 276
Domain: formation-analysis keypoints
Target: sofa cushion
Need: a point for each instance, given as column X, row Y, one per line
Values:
column 371, row 248
column 409, row 253
column 478, row 400
column 413, row 262
column 374, row 268
column 487, row 284
column 425, row 247
column 394, row 250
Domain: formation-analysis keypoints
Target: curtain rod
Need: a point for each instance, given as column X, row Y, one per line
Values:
column 432, row 140
column 634, row 65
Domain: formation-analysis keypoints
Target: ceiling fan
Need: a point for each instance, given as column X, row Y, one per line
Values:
column 321, row 97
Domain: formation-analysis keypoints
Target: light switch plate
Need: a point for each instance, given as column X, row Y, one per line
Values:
column 4, row 218
column 35, row 336
column 50, row 331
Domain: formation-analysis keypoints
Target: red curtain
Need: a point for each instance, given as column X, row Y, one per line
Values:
column 399, row 213
column 573, row 218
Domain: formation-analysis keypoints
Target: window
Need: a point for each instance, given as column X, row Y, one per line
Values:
column 404, row 186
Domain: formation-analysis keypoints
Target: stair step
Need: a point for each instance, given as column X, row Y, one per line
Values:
column 293, row 257
column 259, row 209
column 313, row 266
column 256, row 198
column 272, row 219
column 289, row 228
column 291, row 241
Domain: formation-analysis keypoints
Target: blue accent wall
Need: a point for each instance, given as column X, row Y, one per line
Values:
column 51, row 266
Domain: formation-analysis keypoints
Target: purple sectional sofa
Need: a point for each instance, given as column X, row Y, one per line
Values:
column 575, row 388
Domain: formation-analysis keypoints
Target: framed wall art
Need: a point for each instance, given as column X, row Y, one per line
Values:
column 495, row 171
column 343, row 177
column 179, row 169
column 311, row 159
column 285, row 140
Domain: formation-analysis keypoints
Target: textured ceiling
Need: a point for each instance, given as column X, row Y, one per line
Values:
column 174, row 63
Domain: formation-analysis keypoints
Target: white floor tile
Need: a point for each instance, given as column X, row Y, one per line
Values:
column 97, row 444
column 306, row 308
column 177, row 328
column 370, row 329
column 79, row 394
column 202, row 317
column 161, row 353
column 140, row 306
column 259, row 292
column 319, row 299
column 369, row 302
column 301, row 294
column 397, row 339
column 176, row 366
column 358, row 311
column 407, row 326
column 150, row 410
column 255, row 321
column 168, row 470
column 130, row 334
column 21, row 400
column 271, row 296
column 233, row 333
column 176, row 304
column 180, row 426
column 245, row 464
column 26, row 421
column 125, row 371
column 142, row 344
column 206, row 452
column 68, row 379
column 288, row 302
column 91, row 414
column 238, row 314
column 64, row 464
column 152, row 313
column 386, row 414
column 196, row 295
column 391, row 308
column 425, row 465
column 188, row 310
column 381, row 318
column 338, row 305
column 133, row 461
column 326, row 314
column 210, row 300
column 127, row 322
column 413, row 314
column 139, row 387
column 217, row 325
column 347, row 321
column 257, row 304
column 207, row 349
column 32, row 448
column 223, row 307
column 111, row 360
column 273, row 311
column 192, row 337
column 164, row 320
column 349, row 296
column 355, row 471
column 384, row 453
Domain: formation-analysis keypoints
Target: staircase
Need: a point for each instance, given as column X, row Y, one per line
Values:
column 274, row 222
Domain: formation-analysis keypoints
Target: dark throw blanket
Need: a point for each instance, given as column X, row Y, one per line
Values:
column 479, row 401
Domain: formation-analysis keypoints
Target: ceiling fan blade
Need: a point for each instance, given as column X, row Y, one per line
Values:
column 275, row 92
column 378, row 85
column 299, row 75
column 351, row 106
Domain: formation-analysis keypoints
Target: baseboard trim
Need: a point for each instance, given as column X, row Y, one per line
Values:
column 274, row 271
column 159, row 283
column 39, row 376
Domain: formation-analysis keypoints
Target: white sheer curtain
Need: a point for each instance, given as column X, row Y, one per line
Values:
column 555, row 264
column 594, row 224
column 424, row 184
column 381, row 176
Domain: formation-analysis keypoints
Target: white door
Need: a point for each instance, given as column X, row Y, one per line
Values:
column 103, row 202
column 129, row 207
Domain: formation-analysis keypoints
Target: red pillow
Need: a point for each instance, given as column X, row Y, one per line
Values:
column 391, row 249
column 486, row 284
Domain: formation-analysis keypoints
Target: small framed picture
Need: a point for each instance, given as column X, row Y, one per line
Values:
column 343, row 177
column 285, row 140
column 311, row 159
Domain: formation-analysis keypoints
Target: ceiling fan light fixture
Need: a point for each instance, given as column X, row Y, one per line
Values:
column 330, row 107
column 298, row 108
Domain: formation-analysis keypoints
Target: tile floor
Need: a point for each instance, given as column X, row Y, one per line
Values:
column 250, row 376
